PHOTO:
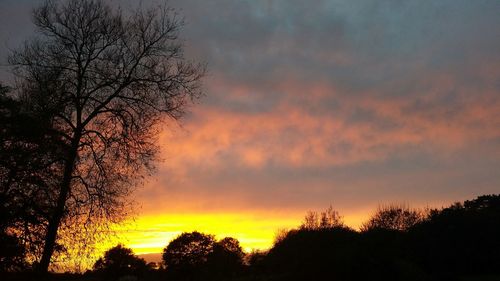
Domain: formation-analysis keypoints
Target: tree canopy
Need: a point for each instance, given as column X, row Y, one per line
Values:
column 188, row 251
column 119, row 261
column 199, row 256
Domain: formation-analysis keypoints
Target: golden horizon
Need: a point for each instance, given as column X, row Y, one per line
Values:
column 150, row 234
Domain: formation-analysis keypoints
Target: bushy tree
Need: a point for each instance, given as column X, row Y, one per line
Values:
column 226, row 259
column 188, row 253
column 313, row 254
column 28, row 149
column 119, row 261
column 461, row 238
column 196, row 256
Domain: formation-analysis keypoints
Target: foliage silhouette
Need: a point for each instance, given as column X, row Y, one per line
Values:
column 187, row 255
column 12, row 253
column 394, row 217
column 311, row 253
column 104, row 79
column 461, row 239
column 225, row 262
column 197, row 256
column 397, row 243
column 27, row 149
column 326, row 219
column 120, row 261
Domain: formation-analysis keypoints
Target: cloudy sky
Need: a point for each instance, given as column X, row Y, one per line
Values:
column 317, row 103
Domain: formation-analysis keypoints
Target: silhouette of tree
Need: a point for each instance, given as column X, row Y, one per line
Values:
column 104, row 80
column 226, row 259
column 196, row 256
column 282, row 233
column 12, row 253
column 119, row 261
column 187, row 254
column 326, row 219
column 311, row 220
column 393, row 217
column 461, row 239
column 322, row 247
column 314, row 254
column 257, row 263
column 27, row 149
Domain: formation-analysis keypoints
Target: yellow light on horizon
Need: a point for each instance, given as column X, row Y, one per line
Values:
column 151, row 233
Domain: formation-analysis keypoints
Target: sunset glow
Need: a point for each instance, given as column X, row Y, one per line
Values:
column 150, row 234
column 255, row 231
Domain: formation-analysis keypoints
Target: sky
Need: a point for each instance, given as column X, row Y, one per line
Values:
column 316, row 103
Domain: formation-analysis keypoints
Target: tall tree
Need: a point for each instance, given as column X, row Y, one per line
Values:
column 28, row 152
column 105, row 79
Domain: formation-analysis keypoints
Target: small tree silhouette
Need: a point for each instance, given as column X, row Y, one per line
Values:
column 394, row 217
column 324, row 220
column 226, row 259
column 187, row 254
column 119, row 261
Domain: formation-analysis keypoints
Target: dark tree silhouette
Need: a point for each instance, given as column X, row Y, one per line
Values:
column 119, row 261
column 226, row 259
column 394, row 217
column 197, row 256
column 256, row 261
column 187, row 254
column 12, row 253
column 314, row 254
column 326, row 219
column 27, row 149
column 104, row 80
column 332, row 251
column 461, row 239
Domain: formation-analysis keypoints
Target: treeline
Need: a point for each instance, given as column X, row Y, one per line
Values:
column 459, row 242
column 397, row 243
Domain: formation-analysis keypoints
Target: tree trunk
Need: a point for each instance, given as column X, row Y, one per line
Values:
column 55, row 219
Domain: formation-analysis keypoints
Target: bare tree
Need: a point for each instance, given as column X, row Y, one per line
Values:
column 398, row 217
column 106, row 80
column 327, row 219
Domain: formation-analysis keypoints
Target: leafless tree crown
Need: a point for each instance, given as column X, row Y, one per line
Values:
column 105, row 79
